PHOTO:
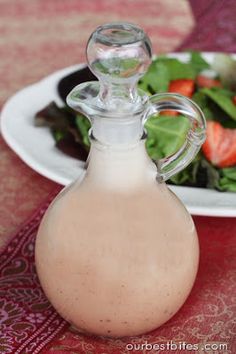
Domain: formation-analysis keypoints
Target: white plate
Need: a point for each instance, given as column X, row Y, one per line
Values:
column 35, row 146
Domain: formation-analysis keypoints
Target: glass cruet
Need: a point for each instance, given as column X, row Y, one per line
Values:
column 117, row 252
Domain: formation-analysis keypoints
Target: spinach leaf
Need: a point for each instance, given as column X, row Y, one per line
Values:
column 83, row 125
column 229, row 172
column 222, row 100
column 162, row 71
column 212, row 111
column 177, row 69
column 200, row 173
column 197, row 62
column 165, row 135
column 212, row 174
column 227, row 181
column 203, row 102
column 188, row 175
column 156, row 79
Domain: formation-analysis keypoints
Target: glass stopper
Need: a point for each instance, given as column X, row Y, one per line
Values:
column 119, row 52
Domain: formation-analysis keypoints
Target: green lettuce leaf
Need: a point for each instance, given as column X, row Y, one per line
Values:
column 165, row 135
column 227, row 181
column 200, row 173
column 220, row 98
column 162, row 71
column 156, row 79
column 83, row 125
column 213, row 111
column 178, row 70
column 197, row 62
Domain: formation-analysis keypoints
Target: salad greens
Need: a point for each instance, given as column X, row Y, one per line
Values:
column 227, row 181
column 167, row 69
column 223, row 99
column 166, row 133
column 162, row 130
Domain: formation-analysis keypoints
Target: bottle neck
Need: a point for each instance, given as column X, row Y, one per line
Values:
column 123, row 167
column 124, row 130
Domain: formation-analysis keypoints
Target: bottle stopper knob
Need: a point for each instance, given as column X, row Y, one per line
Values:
column 119, row 53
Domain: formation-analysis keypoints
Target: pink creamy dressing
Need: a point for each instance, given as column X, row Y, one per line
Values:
column 117, row 256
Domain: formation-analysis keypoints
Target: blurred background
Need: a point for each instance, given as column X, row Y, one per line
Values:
column 41, row 36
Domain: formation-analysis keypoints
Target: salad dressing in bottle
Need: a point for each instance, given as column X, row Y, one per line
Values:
column 117, row 252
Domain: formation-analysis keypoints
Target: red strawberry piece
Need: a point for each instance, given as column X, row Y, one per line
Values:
column 220, row 145
column 234, row 100
column 184, row 87
column 203, row 81
column 169, row 113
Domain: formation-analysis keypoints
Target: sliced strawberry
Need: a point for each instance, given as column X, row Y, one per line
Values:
column 204, row 81
column 234, row 100
column 184, row 87
column 169, row 113
column 220, row 145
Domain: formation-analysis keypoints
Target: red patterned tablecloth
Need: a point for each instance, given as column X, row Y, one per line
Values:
column 38, row 37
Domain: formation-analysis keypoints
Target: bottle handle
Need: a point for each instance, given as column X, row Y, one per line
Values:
column 170, row 165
